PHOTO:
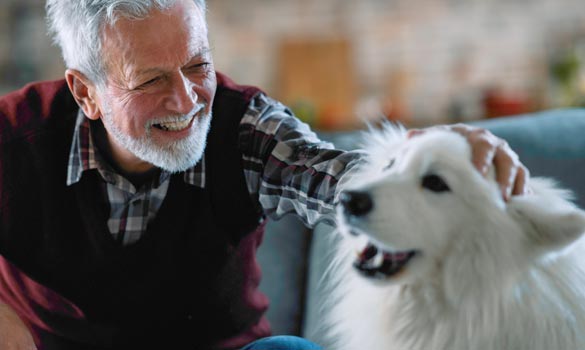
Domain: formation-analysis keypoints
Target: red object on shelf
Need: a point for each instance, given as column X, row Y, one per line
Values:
column 499, row 103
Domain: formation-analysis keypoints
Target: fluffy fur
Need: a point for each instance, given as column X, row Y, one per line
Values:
column 487, row 275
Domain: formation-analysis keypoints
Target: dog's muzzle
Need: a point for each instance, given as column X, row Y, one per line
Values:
column 373, row 261
column 356, row 203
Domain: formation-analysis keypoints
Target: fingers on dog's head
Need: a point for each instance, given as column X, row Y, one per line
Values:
column 521, row 181
column 485, row 148
column 508, row 169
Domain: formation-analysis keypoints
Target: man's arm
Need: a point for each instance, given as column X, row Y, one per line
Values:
column 287, row 167
column 14, row 334
column 291, row 170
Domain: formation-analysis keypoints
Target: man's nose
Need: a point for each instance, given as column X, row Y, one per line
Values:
column 356, row 203
column 182, row 98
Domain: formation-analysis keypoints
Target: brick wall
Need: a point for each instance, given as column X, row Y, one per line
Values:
column 424, row 55
column 421, row 60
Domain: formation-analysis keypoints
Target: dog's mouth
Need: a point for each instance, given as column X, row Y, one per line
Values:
column 373, row 262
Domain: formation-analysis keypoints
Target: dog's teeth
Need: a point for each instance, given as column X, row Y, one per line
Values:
column 378, row 260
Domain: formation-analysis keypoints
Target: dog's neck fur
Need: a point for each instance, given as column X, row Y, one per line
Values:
column 488, row 312
column 490, row 320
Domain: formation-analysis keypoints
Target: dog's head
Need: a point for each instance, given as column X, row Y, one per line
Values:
column 419, row 209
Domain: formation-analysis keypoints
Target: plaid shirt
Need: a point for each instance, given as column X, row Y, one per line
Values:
column 287, row 169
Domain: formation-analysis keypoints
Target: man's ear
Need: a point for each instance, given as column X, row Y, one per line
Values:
column 84, row 92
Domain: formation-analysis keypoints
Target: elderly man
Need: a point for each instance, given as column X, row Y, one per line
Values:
column 129, row 216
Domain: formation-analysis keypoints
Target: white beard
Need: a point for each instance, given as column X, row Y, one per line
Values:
column 173, row 157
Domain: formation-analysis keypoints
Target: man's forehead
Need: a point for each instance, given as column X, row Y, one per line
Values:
column 165, row 39
column 180, row 22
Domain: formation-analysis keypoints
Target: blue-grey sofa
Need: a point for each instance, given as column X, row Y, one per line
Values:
column 294, row 258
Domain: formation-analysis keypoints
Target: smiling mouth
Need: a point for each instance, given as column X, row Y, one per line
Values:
column 175, row 125
column 374, row 262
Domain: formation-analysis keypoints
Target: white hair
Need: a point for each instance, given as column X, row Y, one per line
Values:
column 76, row 27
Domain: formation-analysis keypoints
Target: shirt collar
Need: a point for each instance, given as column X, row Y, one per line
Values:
column 84, row 156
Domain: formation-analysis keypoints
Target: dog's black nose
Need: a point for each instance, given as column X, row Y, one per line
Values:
column 356, row 203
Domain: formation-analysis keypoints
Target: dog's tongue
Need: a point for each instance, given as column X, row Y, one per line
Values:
column 397, row 257
column 368, row 253
column 371, row 251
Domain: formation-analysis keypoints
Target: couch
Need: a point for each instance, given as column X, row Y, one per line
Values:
column 294, row 258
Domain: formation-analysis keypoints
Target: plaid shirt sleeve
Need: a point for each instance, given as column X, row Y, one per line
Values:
column 287, row 168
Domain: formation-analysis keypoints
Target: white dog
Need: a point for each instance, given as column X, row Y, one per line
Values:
column 445, row 264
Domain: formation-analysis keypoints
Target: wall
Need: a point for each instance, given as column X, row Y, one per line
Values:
column 419, row 61
column 425, row 60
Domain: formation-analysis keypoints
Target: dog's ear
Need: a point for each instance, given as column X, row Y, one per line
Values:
column 549, row 225
column 383, row 138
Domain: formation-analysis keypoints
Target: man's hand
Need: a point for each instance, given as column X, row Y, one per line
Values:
column 487, row 150
column 14, row 335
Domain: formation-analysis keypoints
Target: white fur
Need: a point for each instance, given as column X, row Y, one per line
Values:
column 492, row 275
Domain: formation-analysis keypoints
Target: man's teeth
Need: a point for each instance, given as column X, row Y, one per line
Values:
column 174, row 126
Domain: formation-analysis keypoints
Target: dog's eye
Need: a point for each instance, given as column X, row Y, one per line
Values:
column 435, row 183
column 389, row 165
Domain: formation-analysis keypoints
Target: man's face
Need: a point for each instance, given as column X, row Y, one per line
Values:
column 156, row 105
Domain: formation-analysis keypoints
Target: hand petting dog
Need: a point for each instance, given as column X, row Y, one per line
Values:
column 488, row 149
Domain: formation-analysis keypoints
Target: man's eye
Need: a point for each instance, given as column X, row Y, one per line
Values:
column 198, row 67
column 149, row 82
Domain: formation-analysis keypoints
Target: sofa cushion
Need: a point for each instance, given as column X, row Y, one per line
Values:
column 550, row 143
column 283, row 257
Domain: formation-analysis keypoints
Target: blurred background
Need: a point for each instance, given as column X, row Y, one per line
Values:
column 339, row 62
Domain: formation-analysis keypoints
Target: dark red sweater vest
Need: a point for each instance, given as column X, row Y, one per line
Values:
column 192, row 279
